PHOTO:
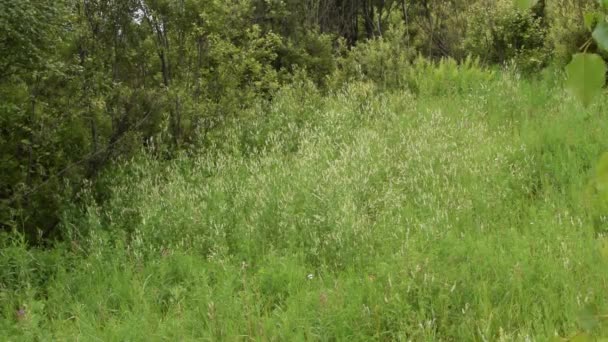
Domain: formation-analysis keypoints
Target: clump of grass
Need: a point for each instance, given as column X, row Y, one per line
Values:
column 361, row 214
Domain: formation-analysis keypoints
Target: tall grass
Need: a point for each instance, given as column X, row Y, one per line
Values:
column 454, row 211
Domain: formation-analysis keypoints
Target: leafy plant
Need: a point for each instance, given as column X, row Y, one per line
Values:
column 586, row 72
column 590, row 67
column 585, row 76
column 498, row 35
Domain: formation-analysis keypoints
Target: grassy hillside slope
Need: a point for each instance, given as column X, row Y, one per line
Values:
column 461, row 210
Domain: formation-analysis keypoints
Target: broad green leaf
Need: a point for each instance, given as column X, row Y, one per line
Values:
column 525, row 4
column 600, row 35
column 603, row 3
column 586, row 76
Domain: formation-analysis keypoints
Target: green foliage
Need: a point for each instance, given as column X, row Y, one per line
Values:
column 567, row 31
column 587, row 71
column 35, row 133
column 525, row 4
column 383, row 61
column 289, row 170
column 312, row 52
column 592, row 19
column 449, row 215
column 446, row 76
column 600, row 34
column 586, row 76
column 90, row 83
column 501, row 34
column 30, row 32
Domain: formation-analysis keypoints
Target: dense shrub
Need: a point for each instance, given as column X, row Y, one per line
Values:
column 500, row 33
column 312, row 52
column 384, row 61
column 567, row 32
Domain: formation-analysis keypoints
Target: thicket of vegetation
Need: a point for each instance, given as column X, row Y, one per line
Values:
column 296, row 170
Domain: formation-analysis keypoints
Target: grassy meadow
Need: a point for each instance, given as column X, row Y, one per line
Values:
column 462, row 206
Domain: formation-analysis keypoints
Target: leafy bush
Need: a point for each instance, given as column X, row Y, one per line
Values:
column 384, row 61
column 390, row 64
column 312, row 52
column 567, row 32
column 500, row 33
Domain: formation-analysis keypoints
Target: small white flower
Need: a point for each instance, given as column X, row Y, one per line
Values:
column 310, row 276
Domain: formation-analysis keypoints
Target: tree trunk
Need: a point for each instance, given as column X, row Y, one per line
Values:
column 368, row 13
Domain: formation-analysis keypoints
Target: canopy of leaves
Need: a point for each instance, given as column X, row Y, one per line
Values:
column 27, row 26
